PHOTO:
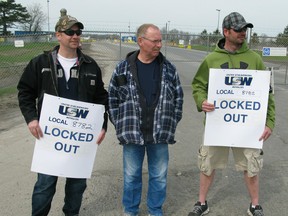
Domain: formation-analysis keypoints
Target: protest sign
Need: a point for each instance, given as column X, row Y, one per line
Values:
column 240, row 98
column 68, row 147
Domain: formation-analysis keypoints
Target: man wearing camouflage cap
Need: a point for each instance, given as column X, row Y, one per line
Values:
column 65, row 72
column 231, row 52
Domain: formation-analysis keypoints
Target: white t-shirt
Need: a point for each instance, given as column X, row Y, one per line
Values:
column 67, row 64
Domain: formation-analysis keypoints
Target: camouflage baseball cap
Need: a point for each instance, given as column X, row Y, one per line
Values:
column 66, row 22
column 235, row 21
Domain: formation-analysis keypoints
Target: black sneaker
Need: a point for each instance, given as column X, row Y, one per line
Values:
column 199, row 209
column 257, row 211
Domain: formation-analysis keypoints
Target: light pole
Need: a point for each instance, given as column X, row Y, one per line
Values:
column 167, row 29
column 48, row 16
column 218, row 19
column 166, row 36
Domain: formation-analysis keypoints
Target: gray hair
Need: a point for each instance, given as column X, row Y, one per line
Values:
column 141, row 31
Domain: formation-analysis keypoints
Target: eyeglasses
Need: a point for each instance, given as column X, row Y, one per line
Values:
column 153, row 41
column 71, row 32
column 240, row 30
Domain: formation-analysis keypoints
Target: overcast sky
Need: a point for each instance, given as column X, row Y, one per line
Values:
column 269, row 17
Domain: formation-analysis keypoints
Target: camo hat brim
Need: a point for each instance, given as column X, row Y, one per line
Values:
column 66, row 22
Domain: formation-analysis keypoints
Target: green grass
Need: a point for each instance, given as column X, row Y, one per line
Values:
column 202, row 48
column 10, row 54
column 14, row 58
column 8, row 91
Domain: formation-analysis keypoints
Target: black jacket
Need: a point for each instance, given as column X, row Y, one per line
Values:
column 40, row 76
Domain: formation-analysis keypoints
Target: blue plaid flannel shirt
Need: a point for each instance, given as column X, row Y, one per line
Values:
column 125, row 109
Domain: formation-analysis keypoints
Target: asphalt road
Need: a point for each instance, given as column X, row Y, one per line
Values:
column 227, row 197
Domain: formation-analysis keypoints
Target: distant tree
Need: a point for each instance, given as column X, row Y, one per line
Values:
column 266, row 41
column 165, row 33
column 215, row 36
column 204, row 32
column 174, row 35
column 10, row 14
column 217, row 32
column 185, row 36
column 286, row 31
column 204, row 36
column 264, row 35
column 255, row 38
column 282, row 38
column 36, row 18
column 163, row 30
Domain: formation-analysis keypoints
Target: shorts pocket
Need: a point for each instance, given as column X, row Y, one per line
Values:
column 203, row 160
column 255, row 163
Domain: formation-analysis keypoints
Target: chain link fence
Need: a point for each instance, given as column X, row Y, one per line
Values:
column 107, row 48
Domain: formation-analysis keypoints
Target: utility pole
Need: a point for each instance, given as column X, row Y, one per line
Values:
column 48, row 16
column 166, row 35
column 167, row 30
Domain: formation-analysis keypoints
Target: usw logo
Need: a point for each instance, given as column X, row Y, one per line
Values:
column 73, row 112
column 238, row 80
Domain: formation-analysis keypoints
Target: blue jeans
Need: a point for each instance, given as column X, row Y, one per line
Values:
column 157, row 158
column 45, row 188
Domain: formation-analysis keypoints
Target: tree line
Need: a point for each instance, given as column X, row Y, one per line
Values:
column 32, row 19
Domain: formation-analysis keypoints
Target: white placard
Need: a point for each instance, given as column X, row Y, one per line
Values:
column 19, row 43
column 240, row 98
column 68, row 147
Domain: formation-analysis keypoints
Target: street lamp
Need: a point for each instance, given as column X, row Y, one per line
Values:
column 166, row 36
column 218, row 19
column 48, row 15
column 167, row 29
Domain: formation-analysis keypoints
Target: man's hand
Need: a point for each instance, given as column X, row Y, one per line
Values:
column 101, row 137
column 207, row 107
column 35, row 129
column 266, row 134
